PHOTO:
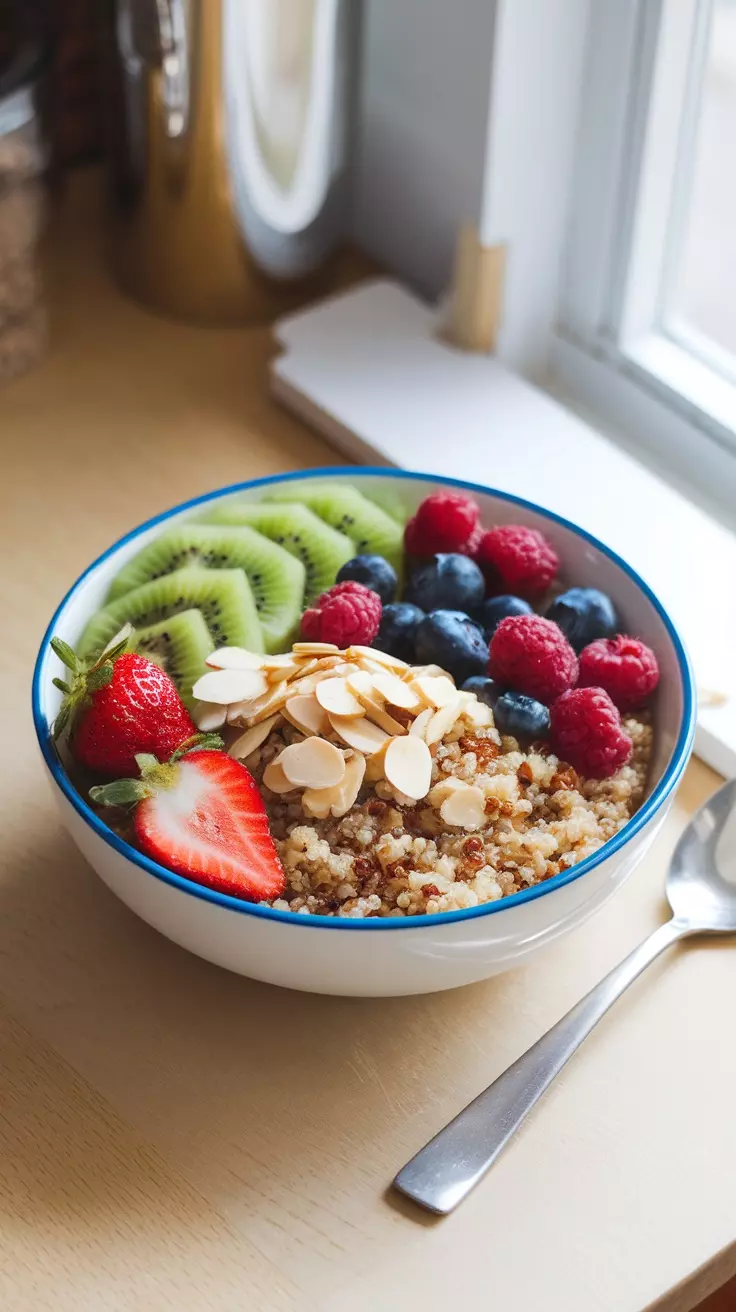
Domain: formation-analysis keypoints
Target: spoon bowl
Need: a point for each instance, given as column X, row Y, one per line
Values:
column 701, row 884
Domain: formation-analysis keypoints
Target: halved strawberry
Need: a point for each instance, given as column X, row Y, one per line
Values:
column 203, row 817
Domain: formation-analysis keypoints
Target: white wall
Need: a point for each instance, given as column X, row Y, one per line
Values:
column 469, row 111
column 539, row 59
column 426, row 68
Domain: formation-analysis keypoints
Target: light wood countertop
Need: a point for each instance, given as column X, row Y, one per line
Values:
column 172, row 1136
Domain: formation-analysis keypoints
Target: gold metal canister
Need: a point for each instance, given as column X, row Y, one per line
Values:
column 187, row 237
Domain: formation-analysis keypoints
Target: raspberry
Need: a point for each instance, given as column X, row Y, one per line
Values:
column 516, row 559
column 347, row 613
column 444, row 522
column 625, row 667
column 586, row 731
column 532, row 655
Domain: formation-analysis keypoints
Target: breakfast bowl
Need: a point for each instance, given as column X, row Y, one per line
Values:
column 393, row 954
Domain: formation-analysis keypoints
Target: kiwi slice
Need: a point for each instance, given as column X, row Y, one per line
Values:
column 180, row 645
column 391, row 502
column 223, row 597
column 347, row 510
column 276, row 578
column 299, row 531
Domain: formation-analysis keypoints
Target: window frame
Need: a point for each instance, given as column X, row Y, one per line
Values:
column 614, row 346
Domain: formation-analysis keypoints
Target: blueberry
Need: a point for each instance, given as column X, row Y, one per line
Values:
column 495, row 609
column 398, row 629
column 486, row 690
column 584, row 614
column 374, row 572
column 521, row 717
column 450, row 638
column 447, row 580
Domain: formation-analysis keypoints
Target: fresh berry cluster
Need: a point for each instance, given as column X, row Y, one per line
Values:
column 474, row 604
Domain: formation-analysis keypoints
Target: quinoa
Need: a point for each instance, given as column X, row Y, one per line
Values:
column 390, row 856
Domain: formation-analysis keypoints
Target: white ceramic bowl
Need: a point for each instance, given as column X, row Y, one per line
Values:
column 420, row 954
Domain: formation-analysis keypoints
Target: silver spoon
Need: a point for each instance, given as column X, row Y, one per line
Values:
column 701, row 890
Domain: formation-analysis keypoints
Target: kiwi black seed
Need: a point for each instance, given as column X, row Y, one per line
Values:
column 276, row 577
column 296, row 528
column 345, row 509
column 223, row 597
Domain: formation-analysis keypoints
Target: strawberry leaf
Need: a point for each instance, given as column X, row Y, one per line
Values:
column 199, row 742
column 62, row 720
column 65, row 654
column 146, row 762
column 63, row 687
column 117, row 645
column 123, row 792
column 99, row 676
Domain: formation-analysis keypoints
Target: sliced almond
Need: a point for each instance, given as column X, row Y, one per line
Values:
column 299, row 687
column 313, row 763
column 226, row 686
column 432, row 671
column 442, row 721
column 308, row 666
column 272, row 701
column 328, row 662
column 374, row 770
column 344, row 668
column 350, row 787
column 363, row 686
column 275, row 779
column 395, row 691
column 234, row 658
column 306, row 714
column 380, row 657
column 252, row 738
column 372, row 667
column 278, row 673
column 318, row 801
column 359, row 734
column 315, row 648
column 239, row 712
column 480, row 715
column 465, row 807
column 277, row 660
column 209, row 716
column 334, row 696
column 408, row 766
column 418, row 728
column 443, row 789
column 386, row 721
column 437, row 690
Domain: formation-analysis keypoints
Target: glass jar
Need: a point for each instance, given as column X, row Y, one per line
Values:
column 23, row 330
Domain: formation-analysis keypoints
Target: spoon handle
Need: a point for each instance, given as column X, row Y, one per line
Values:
column 447, row 1168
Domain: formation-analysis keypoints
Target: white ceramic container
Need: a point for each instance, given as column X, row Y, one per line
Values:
column 420, row 954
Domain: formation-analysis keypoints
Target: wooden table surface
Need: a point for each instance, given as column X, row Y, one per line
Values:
column 172, row 1136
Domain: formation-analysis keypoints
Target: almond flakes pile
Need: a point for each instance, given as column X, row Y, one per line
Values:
column 365, row 716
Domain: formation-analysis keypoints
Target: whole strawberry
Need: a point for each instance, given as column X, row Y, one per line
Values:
column 117, row 707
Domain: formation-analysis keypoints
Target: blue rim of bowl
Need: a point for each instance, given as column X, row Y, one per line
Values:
column 637, row 822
